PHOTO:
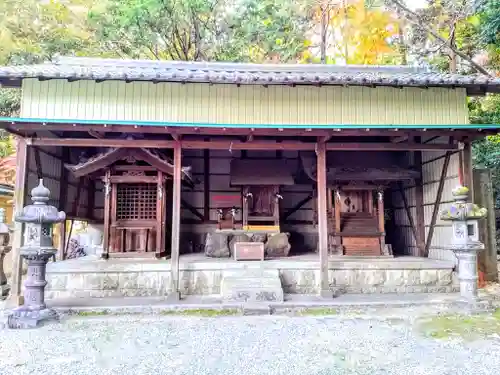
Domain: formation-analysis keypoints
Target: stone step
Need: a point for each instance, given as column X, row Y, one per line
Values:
column 251, row 286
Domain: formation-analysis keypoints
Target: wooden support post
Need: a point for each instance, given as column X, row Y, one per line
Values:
column 329, row 200
column 381, row 220
column 107, row 214
column 337, row 238
column 176, row 221
column 437, row 203
column 75, row 210
column 22, row 159
column 63, row 196
column 419, row 205
column 206, row 185
column 159, row 216
column 90, row 199
column 322, row 220
column 467, row 169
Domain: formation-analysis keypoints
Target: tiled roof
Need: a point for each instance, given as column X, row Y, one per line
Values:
column 78, row 68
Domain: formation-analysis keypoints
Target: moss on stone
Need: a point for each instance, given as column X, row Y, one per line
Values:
column 201, row 312
column 318, row 311
column 93, row 313
column 467, row 327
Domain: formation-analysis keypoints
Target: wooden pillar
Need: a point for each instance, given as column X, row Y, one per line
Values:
column 61, row 246
column 322, row 220
column 419, row 205
column 107, row 215
column 467, row 169
column 381, row 219
column 176, row 223
column 329, row 199
column 159, row 216
column 22, row 150
column 206, row 185
column 337, row 238
column 370, row 201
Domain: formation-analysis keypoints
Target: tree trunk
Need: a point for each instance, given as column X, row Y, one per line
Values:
column 324, row 29
column 413, row 18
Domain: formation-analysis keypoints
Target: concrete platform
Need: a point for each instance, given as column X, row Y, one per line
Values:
column 199, row 275
column 158, row 305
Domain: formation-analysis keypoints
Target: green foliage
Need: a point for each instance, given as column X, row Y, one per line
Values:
column 259, row 31
column 9, row 102
column 486, row 152
column 158, row 29
column 490, row 22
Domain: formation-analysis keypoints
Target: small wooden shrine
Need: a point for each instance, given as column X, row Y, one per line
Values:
column 137, row 195
column 260, row 183
column 355, row 199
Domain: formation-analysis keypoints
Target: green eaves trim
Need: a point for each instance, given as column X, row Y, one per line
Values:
column 246, row 126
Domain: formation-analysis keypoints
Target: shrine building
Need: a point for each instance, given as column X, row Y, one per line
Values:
column 332, row 176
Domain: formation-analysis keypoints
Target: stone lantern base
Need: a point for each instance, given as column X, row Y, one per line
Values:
column 34, row 311
column 24, row 317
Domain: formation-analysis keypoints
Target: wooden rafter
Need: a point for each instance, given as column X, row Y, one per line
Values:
column 19, row 127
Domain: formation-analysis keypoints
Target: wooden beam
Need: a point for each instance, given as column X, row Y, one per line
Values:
column 237, row 145
column 241, row 131
column 437, row 203
column 38, row 163
column 402, row 138
column 322, row 220
column 192, row 209
column 388, row 147
column 297, row 207
column 206, row 185
column 22, row 159
column 96, row 134
column 176, row 221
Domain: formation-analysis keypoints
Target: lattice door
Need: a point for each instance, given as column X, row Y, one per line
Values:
column 136, row 201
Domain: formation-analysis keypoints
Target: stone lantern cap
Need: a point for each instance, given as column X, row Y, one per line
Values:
column 39, row 212
column 460, row 209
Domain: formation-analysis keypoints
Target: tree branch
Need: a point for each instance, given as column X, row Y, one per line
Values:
column 407, row 12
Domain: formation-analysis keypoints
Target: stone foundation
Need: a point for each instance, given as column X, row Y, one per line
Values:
column 92, row 277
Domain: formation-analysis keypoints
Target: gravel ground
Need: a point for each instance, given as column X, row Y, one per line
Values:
column 339, row 344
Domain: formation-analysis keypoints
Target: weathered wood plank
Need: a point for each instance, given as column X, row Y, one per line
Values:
column 176, row 220
column 238, row 145
column 322, row 219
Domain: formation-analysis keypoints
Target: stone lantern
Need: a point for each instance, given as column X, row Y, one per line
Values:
column 4, row 249
column 38, row 248
column 465, row 241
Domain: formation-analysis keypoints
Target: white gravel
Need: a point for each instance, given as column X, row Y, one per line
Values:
column 275, row 345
